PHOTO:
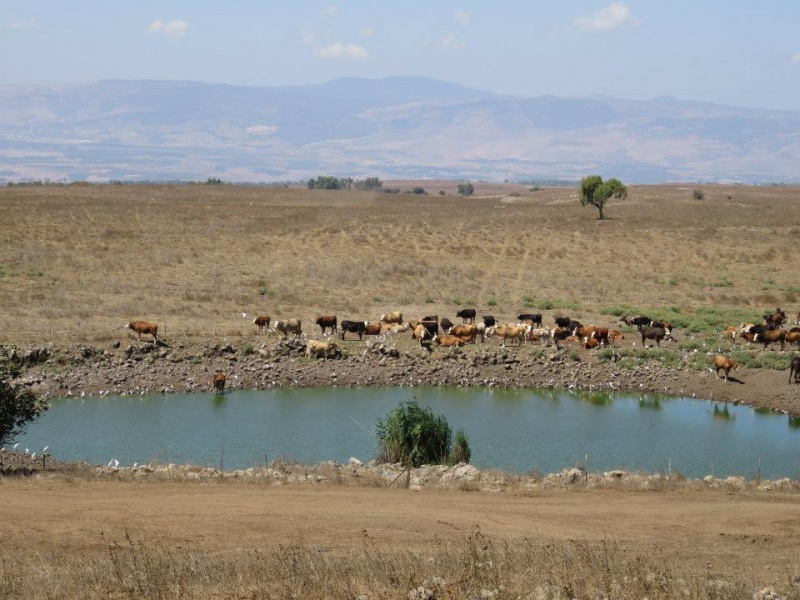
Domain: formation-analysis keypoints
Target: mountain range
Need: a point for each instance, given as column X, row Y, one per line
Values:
column 393, row 128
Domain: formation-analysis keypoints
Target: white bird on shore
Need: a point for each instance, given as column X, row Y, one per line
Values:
column 45, row 449
column 14, row 447
column 33, row 455
column 244, row 315
column 113, row 463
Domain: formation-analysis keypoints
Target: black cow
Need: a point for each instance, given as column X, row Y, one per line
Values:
column 358, row 327
column 640, row 321
column 573, row 325
column 534, row 318
column 432, row 325
column 564, row 322
column 446, row 324
column 653, row 333
column 466, row 314
column 489, row 321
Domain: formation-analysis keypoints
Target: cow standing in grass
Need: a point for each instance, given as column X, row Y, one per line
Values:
column 140, row 327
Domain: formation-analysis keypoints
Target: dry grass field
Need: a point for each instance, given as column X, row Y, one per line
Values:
column 78, row 261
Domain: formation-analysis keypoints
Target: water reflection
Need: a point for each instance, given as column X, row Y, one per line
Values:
column 723, row 413
column 650, row 402
column 595, row 398
column 794, row 422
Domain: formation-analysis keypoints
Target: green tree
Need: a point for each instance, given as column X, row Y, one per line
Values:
column 596, row 192
column 370, row 183
column 411, row 433
column 18, row 407
column 466, row 189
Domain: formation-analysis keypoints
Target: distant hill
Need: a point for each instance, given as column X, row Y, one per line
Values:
column 395, row 128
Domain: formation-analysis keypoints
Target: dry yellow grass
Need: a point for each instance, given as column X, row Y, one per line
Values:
column 76, row 262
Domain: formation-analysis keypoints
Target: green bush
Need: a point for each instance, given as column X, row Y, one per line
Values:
column 411, row 433
column 18, row 405
column 461, row 450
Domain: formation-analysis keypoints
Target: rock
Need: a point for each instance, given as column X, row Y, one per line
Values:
column 354, row 462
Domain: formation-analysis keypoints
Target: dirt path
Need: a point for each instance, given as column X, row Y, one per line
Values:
column 752, row 534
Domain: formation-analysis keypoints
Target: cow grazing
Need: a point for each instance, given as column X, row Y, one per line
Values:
column 530, row 319
column 775, row 319
column 489, row 320
column 771, row 335
column 326, row 322
column 422, row 333
column 393, row 317
column 730, row 334
column 358, row 327
column 794, row 368
column 140, row 327
column 725, row 363
column 466, row 314
column 262, row 323
column 792, row 337
column 654, row 333
column 372, row 328
column 638, row 321
column 446, row 324
column 465, row 332
column 510, row 332
column 317, row 348
column 448, row 341
column 563, row 322
column 615, row 337
column 218, row 384
column 287, row 326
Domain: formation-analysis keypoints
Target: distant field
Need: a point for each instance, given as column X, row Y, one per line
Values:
column 76, row 262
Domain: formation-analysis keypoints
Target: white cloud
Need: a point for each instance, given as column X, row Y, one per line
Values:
column 796, row 58
column 366, row 32
column 20, row 24
column 612, row 16
column 451, row 42
column 307, row 38
column 462, row 17
column 330, row 10
column 170, row 28
column 339, row 50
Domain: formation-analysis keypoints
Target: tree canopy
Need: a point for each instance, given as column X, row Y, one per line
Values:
column 596, row 192
column 18, row 406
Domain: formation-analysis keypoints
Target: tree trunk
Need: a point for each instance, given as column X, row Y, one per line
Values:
column 600, row 208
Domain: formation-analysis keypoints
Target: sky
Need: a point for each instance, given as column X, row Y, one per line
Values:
column 737, row 52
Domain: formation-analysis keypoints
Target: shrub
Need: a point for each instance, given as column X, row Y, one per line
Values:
column 466, row 189
column 18, row 406
column 411, row 433
column 698, row 194
column 461, row 450
column 419, row 191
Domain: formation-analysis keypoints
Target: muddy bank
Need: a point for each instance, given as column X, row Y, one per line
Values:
column 144, row 368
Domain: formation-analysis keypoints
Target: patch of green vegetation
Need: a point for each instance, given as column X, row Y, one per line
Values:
column 491, row 302
column 763, row 360
column 548, row 304
column 265, row 291
column 618, row 310
column 429, row 300
column 248, row 350
column 377, row 299
column 8, row 272
column 724, row 282
column 527, row 301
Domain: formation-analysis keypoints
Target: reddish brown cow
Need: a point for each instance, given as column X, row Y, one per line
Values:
column 372, row 328
column 448, row 341
column 326, row 322
column 140, row 327
column 725, row 363
column 219, row 383
column 262, row 323
column 468, row 332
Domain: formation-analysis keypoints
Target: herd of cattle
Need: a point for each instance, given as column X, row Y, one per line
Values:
column 528, row 327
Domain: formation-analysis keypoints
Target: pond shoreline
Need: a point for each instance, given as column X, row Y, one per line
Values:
column 54, row 371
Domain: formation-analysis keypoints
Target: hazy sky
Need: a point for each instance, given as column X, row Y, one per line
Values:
column 739, row 52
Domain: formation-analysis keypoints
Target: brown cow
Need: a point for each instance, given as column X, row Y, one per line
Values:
column 141, row 327
column 615, row 336
column 793, row 337
column 590, row 342
column 448, row 341
column 654, row 333
column 723, row 362
column 468, row 332
column 219, row 383
column 730, row 334
column 324, row 349
column 769, row 336
column 510, row 332
column 794, row 368
column 372, row 328
column 326, row 322
column 262, row 323
column 393, row 317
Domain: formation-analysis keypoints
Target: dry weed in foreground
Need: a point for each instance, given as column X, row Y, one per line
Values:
column 475, row 567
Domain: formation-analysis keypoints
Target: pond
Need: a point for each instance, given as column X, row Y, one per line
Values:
column 514, row 430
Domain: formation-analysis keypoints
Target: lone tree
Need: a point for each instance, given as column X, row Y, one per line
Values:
column 466, row 189
column 18, row 407
column 596, row 192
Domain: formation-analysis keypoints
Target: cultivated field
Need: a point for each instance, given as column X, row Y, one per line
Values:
column 76, row 262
